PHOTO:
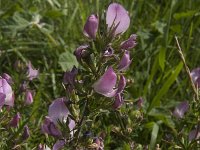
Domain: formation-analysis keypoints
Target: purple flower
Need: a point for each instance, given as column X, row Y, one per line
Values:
column 59, row 145
column 69, row 76
column 194, row 134
column 108, row 52
column 26, row 133
column 43, row 147
column 2, row 100
column 117, row 18
column 140, row 102
column 81, row 52
column 50, row 128
column 32, row 73
column 58, row 111
column 195, row 74
column 107, row 82
column 99, row 143
column 130, row 43
column 7, row 95
column 118, row 101
column 181, row 109
column 91, row 26
column 105, row 85
column 28, row 97
column 125, row 61
column 7, row 78
column 15, row 120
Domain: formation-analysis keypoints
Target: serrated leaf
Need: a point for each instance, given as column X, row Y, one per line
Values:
column 67, row 60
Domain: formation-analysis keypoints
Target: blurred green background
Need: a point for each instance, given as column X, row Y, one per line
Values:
column 46, row 32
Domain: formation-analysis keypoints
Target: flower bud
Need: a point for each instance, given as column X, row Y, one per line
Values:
column 81, row 52
column 59, row 145
column 130, row 43
column 118, row 101
column 195, row 74
column 91, row 26
column 125, row 61
column 15, row 120
column 28, row 97
column 26, row 133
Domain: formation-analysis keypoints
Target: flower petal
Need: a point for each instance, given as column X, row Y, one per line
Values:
column 195, row 74
column 118, row 101
column 91, row 26
column 59, row 145
column 6, row 89
column 2, row 99
column 125, row 61
column 32, row 73
column 121, row 84
column 105, row 85
column 58, row 111
column 181, row 109
column 130, row 43
column 118, row 17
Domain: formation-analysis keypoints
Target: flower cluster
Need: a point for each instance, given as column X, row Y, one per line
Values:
column 103, row 62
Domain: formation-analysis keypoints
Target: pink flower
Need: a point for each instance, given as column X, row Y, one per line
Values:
column 32, row 73
column 130, row 43
column 81, row 52
column 7, row 78
column 50, row 128
column 59, row 145
column 91, row 26
column 7, row 95
column 195, row 74
column 125, row 61
column 194, row 134
column 106, row 85
column 26, row 133
column 181, row 109
column 15, row 120
column 118, row 101
column 28, row 97
column 117, row 18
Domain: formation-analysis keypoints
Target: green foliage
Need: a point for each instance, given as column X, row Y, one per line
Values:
column 47, row 32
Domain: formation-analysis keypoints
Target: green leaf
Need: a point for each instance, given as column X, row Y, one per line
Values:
column 67, row 60
column 154, row 135
column 184, row 14
column 162, row 54
column 156, row 101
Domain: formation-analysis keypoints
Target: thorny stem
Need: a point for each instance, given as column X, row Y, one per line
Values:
column 81, row 122
column 187, row 69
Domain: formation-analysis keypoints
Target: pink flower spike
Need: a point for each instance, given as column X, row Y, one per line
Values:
column 105, row 85
column 6, row 89
column 58, row 111
column 28, row 97
column 125, row 61
column 59, row 145
column 91, row 26
column 117, row 17
column 32, row 73
column 130, row 43
column 181, row 109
